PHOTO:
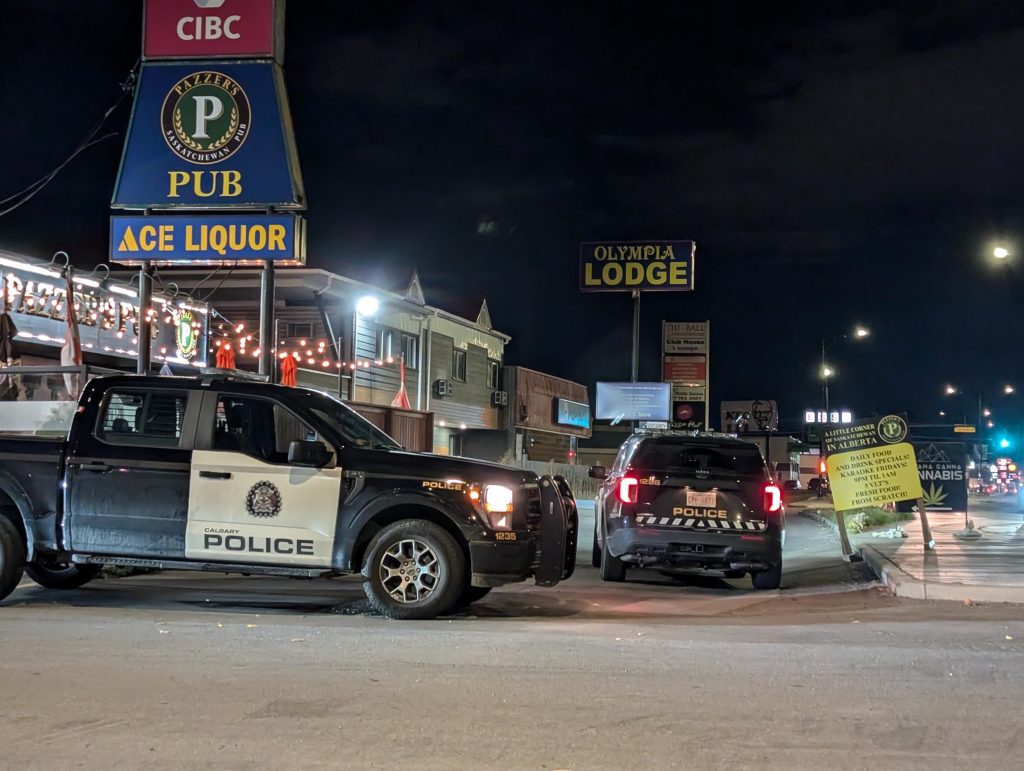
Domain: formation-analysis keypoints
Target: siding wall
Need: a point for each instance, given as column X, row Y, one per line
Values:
column 470, row 404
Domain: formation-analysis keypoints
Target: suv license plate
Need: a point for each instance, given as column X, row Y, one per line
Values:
column 704, row 500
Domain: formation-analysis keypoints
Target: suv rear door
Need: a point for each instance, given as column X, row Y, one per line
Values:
column 703, row 485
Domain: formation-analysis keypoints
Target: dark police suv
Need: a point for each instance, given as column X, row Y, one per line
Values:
column 676, row 502
column 219, row 474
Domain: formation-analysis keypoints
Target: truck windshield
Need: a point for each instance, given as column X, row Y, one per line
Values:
column 351, row 427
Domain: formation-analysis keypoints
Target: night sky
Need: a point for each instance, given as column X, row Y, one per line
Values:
column 836, row 163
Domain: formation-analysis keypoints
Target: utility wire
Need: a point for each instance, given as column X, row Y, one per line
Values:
column 28, row 193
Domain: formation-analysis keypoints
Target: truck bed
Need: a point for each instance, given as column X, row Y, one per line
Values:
column 31, row 465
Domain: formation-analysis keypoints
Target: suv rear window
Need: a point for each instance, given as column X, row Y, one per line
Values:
column 699, row 460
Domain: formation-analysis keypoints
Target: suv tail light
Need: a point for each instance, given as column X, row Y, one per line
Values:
column 772, row 499
column 628, row 489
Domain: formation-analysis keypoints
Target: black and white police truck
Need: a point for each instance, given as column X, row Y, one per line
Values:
column 221, row 474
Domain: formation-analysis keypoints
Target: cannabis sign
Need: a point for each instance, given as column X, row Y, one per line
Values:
column 942, row 467
column 871, row 463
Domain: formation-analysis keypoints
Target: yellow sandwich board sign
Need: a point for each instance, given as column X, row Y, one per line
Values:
column 871, row 463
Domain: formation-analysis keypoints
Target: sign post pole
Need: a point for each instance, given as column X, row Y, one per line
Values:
column 926, row 530
column 145, row 303
column 267, row 319
column 844, row 537
column 635, row 376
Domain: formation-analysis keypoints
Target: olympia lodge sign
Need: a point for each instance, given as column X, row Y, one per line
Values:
column 623, row 266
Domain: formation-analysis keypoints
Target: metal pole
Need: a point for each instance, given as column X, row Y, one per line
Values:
column 635, row 377
column 267, row 343
column 145, row 303
column 350, row 348
column 824, row 422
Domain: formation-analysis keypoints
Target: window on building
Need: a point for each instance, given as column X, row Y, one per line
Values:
column 459, row 365
column 456, row 445
column 385, row 344
column 396, row 345
column 411, row 350
column 148, row 418
column 299, row 330
column 493, row 374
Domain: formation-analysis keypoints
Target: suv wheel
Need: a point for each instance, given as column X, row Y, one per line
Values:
column 612, row 568
column 767, row 579
column 12, row 557
column 414, row 569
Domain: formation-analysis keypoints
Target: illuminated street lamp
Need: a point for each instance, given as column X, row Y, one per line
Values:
column 861, row 332
column 1000, row 252
column 827, row 371
column 1008, row 389
column 368, row 305
column 950, row 390
column 990, row 424
column 987, row 413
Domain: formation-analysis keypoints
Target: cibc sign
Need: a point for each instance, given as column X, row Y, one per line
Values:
column 187, row 29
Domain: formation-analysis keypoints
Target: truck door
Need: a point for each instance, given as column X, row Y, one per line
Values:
column 246, row 503
column 128, row 475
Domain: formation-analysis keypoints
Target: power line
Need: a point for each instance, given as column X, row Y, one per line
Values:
column 28, row 193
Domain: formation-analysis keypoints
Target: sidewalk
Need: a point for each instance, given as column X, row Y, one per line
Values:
column 988, row 569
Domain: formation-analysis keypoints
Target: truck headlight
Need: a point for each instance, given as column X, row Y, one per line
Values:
column 497, row 505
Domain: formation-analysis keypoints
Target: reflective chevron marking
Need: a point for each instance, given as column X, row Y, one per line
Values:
column 701, row 524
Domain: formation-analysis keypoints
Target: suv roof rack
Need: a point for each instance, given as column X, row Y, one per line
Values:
column 209, row 374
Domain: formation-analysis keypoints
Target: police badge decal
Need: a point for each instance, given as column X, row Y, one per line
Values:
column 263, row 500
column 205, row 117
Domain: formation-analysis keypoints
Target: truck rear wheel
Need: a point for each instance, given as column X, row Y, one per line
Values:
column 51, row 574
column 12, row 557
column 414, row 569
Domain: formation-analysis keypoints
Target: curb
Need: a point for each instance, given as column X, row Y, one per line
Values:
column 813, row 515
column 902, row 584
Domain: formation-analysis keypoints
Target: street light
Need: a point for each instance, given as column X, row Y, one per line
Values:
column 859, row 332
column 1008, row 389
column 950, row 390
column 1000, row 252
column 987, row 413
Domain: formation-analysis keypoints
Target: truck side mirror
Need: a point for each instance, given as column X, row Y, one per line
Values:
column 598, row 472
column 308, row 453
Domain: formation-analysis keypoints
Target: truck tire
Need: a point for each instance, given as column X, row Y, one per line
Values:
column 612, row 568
column 61, row 575
column 12, row 557
column 471, row 594
column 764, row 580
column 414, row 569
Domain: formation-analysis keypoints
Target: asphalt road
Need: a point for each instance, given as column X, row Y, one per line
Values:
column 183, row 670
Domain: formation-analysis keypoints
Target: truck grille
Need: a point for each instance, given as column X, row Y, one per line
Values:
column 531, row 494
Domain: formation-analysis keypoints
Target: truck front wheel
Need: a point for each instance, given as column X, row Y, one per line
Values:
column 12, row 557
column 414, row 569
column 51, row 574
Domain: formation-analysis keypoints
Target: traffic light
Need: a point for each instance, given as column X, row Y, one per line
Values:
column 1004, row 443
column 822, row 466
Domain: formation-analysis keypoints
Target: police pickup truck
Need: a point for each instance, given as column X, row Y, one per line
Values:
column 679, row 501
column 220, row 474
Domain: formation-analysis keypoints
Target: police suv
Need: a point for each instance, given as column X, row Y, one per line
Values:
column 679, row 501
column 219, row 474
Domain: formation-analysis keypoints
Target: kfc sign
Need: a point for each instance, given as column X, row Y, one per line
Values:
column 183, row 29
